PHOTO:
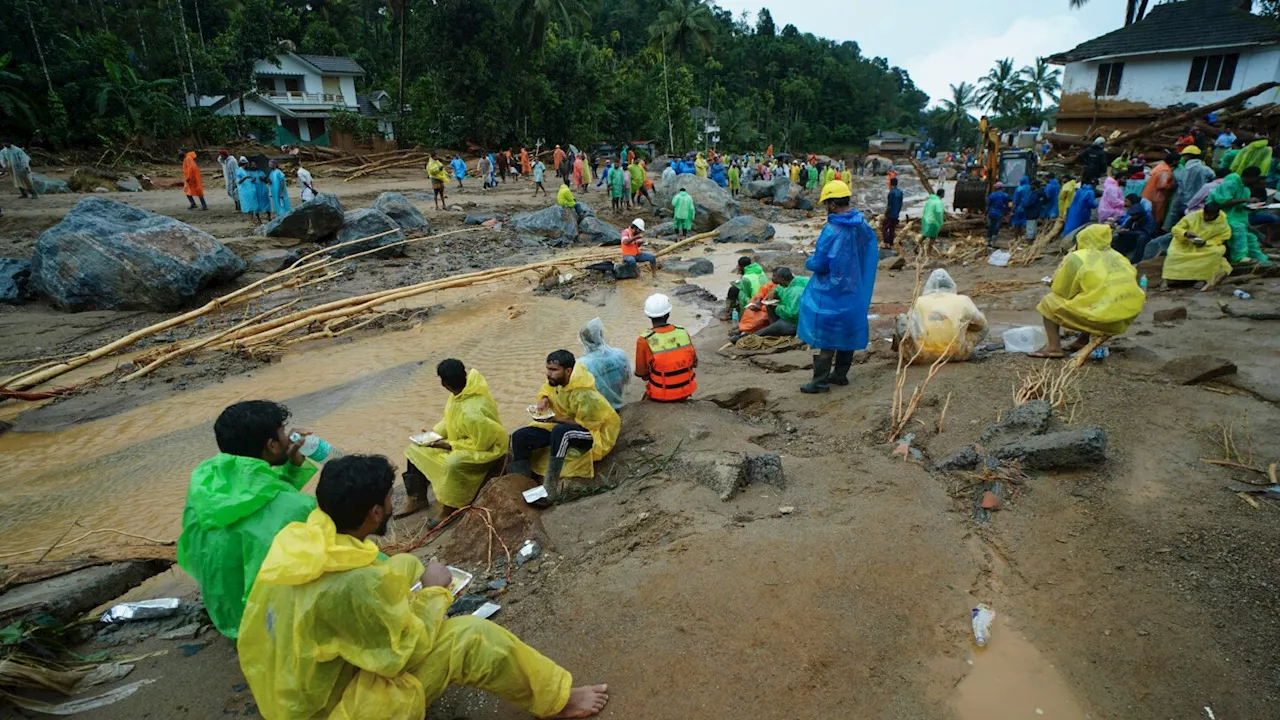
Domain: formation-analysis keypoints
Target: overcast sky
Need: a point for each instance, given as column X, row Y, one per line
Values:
column 942, row 42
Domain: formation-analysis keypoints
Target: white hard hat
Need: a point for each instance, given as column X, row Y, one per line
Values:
column 638, row 223
column 658, row 305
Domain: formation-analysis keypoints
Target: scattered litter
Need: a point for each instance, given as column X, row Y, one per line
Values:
column 458, row 580
column 499, row 584
column 1210, row 712
column 1100, row 353
column 530, row 550
column 142, row 610
column 425, row 438
column 534, row 494
column 999, row 258
column 990, row 501
column 487, row 610
column 1047, row 279
column 904, row 449
column 1243, row 296
column 1025, row 339
column 982, row 617
column 786, row 509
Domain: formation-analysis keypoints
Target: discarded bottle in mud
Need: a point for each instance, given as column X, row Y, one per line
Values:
column 982, row 617
column 735, row 316
column 1142, row 283
column 1242, row 294
column 316, row 449
column 1100, row 353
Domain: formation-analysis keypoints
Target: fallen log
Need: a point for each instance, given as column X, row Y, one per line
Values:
column 921, row 175
column 952, row 228
column 379, row 166
column 1186, row 117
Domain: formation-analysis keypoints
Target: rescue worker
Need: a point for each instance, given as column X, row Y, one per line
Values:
column 782, row 303
column 932, row 217
column 1094, row 291
column 665, row 358
column 575, row 416
column 237, row 501
column 1199, row 247
column 742, row 290
column 632, row 242
column 472, row 438
column 940, row 323
column 833, row 309
column 682, row 212
column 335, row 629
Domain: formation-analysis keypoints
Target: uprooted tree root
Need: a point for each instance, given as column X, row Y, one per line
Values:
column 1057, row 384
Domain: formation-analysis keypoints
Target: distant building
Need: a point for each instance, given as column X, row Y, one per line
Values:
column 1192, row 52
column 300, row 93
column 708, row 126
column 891, row 143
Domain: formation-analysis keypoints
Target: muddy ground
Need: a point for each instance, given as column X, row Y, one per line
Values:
column 1141, row 588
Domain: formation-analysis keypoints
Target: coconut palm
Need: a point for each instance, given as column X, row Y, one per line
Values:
column 1041, row 81
column 999, row 89
column 684, row 27
column 1134, row 10
column 963, row 98
column 537, row 16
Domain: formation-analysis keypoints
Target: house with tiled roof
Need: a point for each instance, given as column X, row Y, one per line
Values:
column 300, row 92
column 1184, row 53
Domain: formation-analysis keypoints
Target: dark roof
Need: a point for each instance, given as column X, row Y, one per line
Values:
column 334, row 64
column 1186, row 25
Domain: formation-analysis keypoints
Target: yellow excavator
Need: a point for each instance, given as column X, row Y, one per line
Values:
column 1007, row 166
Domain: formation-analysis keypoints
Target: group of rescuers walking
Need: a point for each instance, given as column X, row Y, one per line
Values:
column 328, row 626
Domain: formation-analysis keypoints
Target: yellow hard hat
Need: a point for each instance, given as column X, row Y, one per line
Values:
column 833, row 190
column 1191, row 150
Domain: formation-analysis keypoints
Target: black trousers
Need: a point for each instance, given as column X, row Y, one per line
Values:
column 564, row 436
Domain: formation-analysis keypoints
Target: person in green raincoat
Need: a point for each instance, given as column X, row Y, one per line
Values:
column 1233, row 197
column 932, row 216
column 682, row 206
column 617, row 187
column 1255, row 154
column 237, row 501
column 812, row 181
column 742, row 290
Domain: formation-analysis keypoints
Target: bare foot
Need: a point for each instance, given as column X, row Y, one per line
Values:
column 585, row 701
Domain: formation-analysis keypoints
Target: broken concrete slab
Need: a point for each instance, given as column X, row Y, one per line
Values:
column 1029, row 418
column 767, row 469
column 1195, row 369
column 1084, row 447
column 897, row 262
column 67, row 597
column 1171, row 314
column 789, row 361
column 723, row 472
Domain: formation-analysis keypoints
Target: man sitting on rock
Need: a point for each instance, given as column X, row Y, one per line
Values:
column 632, row 240
column 237, row 502
column 570, row 414
column 471, row 440
column 335, row 629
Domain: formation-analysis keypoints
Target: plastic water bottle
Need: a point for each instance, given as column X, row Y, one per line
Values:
column 1242, row 294
column 982, row 617
column 1100, row 353
column 316, row 449
column 735, row 316
column 1142, row 283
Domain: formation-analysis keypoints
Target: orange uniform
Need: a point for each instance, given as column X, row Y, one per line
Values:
column 630, row 246
column 754, row 319
column 192, row 183
column 665, row 359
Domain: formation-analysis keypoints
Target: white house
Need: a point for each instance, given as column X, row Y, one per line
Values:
column 1190, row 53
column 889, row 143
column 300, row 92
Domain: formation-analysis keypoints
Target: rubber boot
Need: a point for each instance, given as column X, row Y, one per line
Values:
column 415, row 488
column 840, row 375
column 519, row 467
column 552, row 479
column 821, row 371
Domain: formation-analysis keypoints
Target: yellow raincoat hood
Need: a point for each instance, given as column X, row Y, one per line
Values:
column 1095, row 289
column 581, row 402
column 302, row 552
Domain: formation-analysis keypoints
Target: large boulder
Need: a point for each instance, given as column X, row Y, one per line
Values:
column 106, row 255
column 595, row 230
column 398, row 208
column 759, row 189
column 128, row 184
column 367, row 222
column 15, row 276
column 745, row 229
column 714, row 206
column 312, row 221
column 274, row 260
column 663, row 230
column 786, row 193
column 552, row 222
column 583, row 210
column 49, row 186
column 793, row 260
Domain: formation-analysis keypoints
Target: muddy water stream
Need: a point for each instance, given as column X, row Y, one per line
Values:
column 130, row 471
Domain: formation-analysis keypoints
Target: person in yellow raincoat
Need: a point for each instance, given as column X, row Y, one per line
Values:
column 1066, row 195
column 846, row 176
column 439, row 178
column 1198, row 251
column 334, row 629
column 795, row 172
column 575, row 426
column 700, row 166
column 564, row 196
column 471, row 440
column 941, row 322
column 1094, row 291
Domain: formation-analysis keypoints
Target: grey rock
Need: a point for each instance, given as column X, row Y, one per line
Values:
column 398, row 208
column 480, row 218
column 776, row 246
column 366, row 222
column 15, row 277
column 803, row 203
column 886, row 253
column 792, row 259
column 714, row 206
column 128, row 184
column 107, row 255
column 786, row 193
column 1194, row 369
column 1085, row 447
column 897, row 262
column 766, row 468
column 759, row 189
column 723, row 472
column 551, row 222
column 269, row 261
column 312, row 221
column 583, row 210
column 186, row 632
column 595, row 230
column 745, row 229
column 663, row 230
column 530, row 241
column 626, row 271
column 699, row 431
column 690, row 268
column 49, row 186
column 1029, row 418
column 963, row 459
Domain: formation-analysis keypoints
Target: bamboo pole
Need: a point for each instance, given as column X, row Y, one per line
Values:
column 386, row 166
column 920, row 175
column 188, row 349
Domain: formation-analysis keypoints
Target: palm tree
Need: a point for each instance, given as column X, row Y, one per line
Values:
column 537, row 15
column 999, row 88
column 963, row 97
column 1040, row 81
column 684, row 26
column 136, row 98
column 12, row 103
column 1134, row 10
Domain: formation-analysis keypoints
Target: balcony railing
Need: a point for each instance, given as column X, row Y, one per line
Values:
column 304, row 98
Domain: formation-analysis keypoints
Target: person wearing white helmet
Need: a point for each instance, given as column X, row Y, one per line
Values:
column 665, row 357
column 631, row 246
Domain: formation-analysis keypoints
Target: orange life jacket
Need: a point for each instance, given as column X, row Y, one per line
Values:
column 671, row 373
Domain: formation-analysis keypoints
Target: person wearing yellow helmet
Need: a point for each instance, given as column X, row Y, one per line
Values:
column 833, row 308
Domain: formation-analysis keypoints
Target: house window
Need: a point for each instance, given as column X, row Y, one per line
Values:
column 266, row 85
column 1108, row 79
column 1212, row 72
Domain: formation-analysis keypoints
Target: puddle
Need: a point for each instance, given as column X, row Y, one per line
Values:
column 1011, row 679
column 130, row 471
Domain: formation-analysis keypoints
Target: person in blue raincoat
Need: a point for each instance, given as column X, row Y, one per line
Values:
column 459, row 170
column 261, row 188
column 1020, row 197
column 1051, row 190
column 1080, row 213
column 246, row 188
column 719, row 174
column 833, row 308
column 279, row 192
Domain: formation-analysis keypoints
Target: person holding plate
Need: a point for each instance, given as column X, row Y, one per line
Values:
column 454, row 457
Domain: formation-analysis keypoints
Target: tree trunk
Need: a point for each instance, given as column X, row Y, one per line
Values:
column 199, row 24
column 186, row 40
column 142, row 36
column 177, row 56
column 39, row 51
column 404, row 22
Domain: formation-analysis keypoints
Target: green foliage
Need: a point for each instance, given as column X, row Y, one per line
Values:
column 358, row 126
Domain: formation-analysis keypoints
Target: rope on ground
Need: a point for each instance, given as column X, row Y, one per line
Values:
column 758, row 342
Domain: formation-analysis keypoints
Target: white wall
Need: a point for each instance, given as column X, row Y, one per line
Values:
column 1161, row 80
column 290, row 65
column 252, row 108
column 348, row 84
